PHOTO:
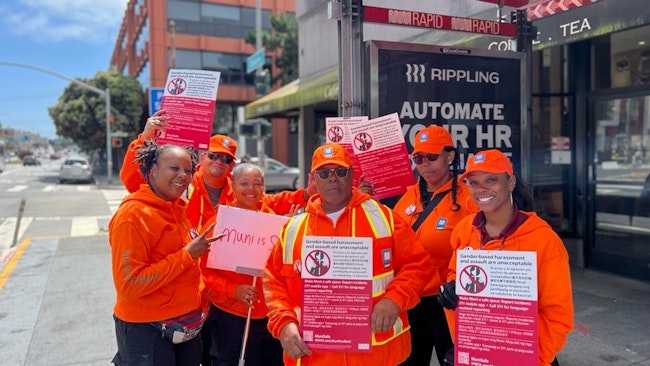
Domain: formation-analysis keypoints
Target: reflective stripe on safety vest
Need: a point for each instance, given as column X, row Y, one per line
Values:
column 382, row 226
column 380, row 282
column 290, row 235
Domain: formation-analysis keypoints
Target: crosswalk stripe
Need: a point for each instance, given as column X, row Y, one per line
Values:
column 84, row 226
column 17, row 188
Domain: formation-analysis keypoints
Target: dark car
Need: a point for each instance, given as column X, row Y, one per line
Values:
column 30, row 160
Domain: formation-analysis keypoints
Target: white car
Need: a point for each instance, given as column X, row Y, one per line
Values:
column 279, row 176
column 76, row 168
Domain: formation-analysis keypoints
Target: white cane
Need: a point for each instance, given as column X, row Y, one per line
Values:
column 242, row 361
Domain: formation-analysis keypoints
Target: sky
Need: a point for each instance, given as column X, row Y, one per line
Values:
column 74, row 38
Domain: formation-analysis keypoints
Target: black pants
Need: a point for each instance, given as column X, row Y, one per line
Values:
column 142, row 344
column 227, row 334
column 429, row 329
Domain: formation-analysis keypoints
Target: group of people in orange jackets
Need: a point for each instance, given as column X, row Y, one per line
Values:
column 160, row 237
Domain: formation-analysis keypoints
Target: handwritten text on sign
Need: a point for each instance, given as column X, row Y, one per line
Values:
column 250, row 236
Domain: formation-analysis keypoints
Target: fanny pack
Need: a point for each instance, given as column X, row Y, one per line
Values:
column 182, row 328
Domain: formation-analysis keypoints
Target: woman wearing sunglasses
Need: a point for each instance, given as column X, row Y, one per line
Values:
column 432, row 207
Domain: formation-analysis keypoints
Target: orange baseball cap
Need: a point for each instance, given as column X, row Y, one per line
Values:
column 491, row 161
column 223, row 144
column 330, row 154
column 432, row 139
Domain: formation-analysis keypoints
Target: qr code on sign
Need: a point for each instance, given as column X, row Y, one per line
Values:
column 308, row 335
column 463, row 358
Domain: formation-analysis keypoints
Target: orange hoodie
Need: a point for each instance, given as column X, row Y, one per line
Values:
column 555, row 300
column 408, row 264
column 435, row 231
column 221, row 285
column 155, row 278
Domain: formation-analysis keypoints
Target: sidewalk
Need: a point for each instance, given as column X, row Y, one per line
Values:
column 612, row 325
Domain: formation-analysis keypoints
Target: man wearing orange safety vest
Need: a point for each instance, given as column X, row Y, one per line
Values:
column 400, row 266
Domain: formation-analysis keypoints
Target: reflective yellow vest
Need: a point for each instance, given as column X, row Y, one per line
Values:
column 382, row 226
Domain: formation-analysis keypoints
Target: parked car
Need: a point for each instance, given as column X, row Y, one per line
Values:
column 76, row 168
column 30, row 160
column 278, row 176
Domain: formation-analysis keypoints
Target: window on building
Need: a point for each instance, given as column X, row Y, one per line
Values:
column 552, row 112
column 186, row 59
column 144, row 76
column 143, row 37
column 624, row 59
column 183, row 10
column 231, row 65
column 214, row 19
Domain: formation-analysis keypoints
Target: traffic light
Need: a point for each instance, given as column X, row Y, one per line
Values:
column 266, row 129
column 262, row 82
column 247, row 129
column 116, row 142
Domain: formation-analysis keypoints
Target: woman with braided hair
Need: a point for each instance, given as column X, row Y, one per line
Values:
column 154, row 253
column 432, row 207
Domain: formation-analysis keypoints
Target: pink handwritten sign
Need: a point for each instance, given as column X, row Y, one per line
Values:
column 250, row 237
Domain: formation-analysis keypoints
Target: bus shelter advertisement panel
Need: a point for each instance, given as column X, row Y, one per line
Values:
column 475, row 94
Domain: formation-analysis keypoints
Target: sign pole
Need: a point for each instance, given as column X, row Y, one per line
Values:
column 350, row 67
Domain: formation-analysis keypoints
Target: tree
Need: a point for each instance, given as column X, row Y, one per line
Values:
column 283, row 40
column 80, row 112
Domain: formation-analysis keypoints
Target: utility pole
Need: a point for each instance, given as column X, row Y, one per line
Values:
column 261, row 154
column 107, row 95
column 172, row 36
column 350, row 66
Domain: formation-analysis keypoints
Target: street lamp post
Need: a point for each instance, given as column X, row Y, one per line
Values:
column 106, row 93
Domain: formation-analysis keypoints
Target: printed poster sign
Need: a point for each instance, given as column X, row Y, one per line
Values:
column 476, row 94
column 337, row 293
column 246, row 246
column 189, row 99
column 496, row 316
column 378, row 150
column 338, row 131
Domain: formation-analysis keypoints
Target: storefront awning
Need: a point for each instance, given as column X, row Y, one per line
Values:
column 321, row 87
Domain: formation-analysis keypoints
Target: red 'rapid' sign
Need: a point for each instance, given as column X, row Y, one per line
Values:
column 419, row 19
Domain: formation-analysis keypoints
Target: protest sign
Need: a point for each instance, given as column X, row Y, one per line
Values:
column 496, row 316
column 337, row 293
column 250, row 237
column 189, row 100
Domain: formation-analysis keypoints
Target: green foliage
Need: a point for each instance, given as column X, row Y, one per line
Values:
column 283, row 40
column 80, row 113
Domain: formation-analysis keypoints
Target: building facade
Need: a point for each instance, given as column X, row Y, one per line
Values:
column 585, row 148
column 158, row 35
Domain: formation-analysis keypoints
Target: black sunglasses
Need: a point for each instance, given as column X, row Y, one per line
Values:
column 326, row 173
column 216, row 156
column 419, row 159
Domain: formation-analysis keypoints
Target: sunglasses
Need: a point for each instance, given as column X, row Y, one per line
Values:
column 326, row 173
column 216, row 156
column 419, row 159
